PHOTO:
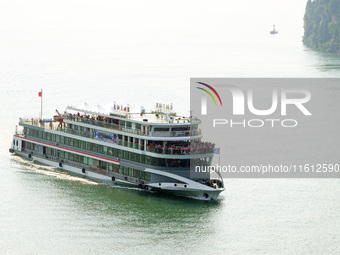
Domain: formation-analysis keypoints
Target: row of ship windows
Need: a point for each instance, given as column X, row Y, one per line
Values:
column 102, row 165
column 122, row 154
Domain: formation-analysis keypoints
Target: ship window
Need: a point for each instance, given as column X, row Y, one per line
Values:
column 161, row 162
column 160, row 129
column 81, row 144
column 76, row 157
column 17, row 142
column 134, row 157
column 109, row 151
column 70, row 156
column 180, row 128
column 120, row 153
column 116, row 168
column 103, row 165
column 121, row 170
column 147, row 176
column 154, row 161
column 114, row 152
column 126, row 170
column 142, row 159
column 147, row 160
column 13, row 142
column 87, row 145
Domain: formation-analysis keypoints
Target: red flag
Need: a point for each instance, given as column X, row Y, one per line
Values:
column 40, row 94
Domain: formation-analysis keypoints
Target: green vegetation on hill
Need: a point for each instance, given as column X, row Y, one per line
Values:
column 322, row 25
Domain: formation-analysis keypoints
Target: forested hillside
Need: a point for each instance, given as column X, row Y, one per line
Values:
column 322, row 25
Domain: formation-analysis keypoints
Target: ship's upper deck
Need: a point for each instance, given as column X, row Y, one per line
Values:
column 147, row 118
column 161, row 123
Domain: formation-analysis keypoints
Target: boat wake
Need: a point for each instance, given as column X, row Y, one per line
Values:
column 50, row 171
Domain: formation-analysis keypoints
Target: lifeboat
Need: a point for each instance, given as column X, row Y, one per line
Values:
column 58, row 118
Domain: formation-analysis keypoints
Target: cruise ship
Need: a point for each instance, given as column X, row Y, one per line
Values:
column 149, row 150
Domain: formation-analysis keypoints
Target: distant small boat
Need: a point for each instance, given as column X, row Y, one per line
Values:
column 274, row 31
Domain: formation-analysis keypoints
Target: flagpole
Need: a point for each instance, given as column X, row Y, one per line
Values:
column 41, row 108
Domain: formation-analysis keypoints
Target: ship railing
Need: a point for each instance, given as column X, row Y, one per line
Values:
column 33, row 122
column 73, row 132
column 131, row 130
column 37, row 123
column 130, row 144
column 19, row 133
column 175, row 133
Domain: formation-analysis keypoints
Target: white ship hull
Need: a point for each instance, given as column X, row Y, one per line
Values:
column 190, row 189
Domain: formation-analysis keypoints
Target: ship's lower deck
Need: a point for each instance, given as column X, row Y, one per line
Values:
column 166, row 182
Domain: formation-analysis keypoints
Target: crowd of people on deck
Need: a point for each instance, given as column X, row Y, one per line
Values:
column 93, row 118
column 182, row 149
